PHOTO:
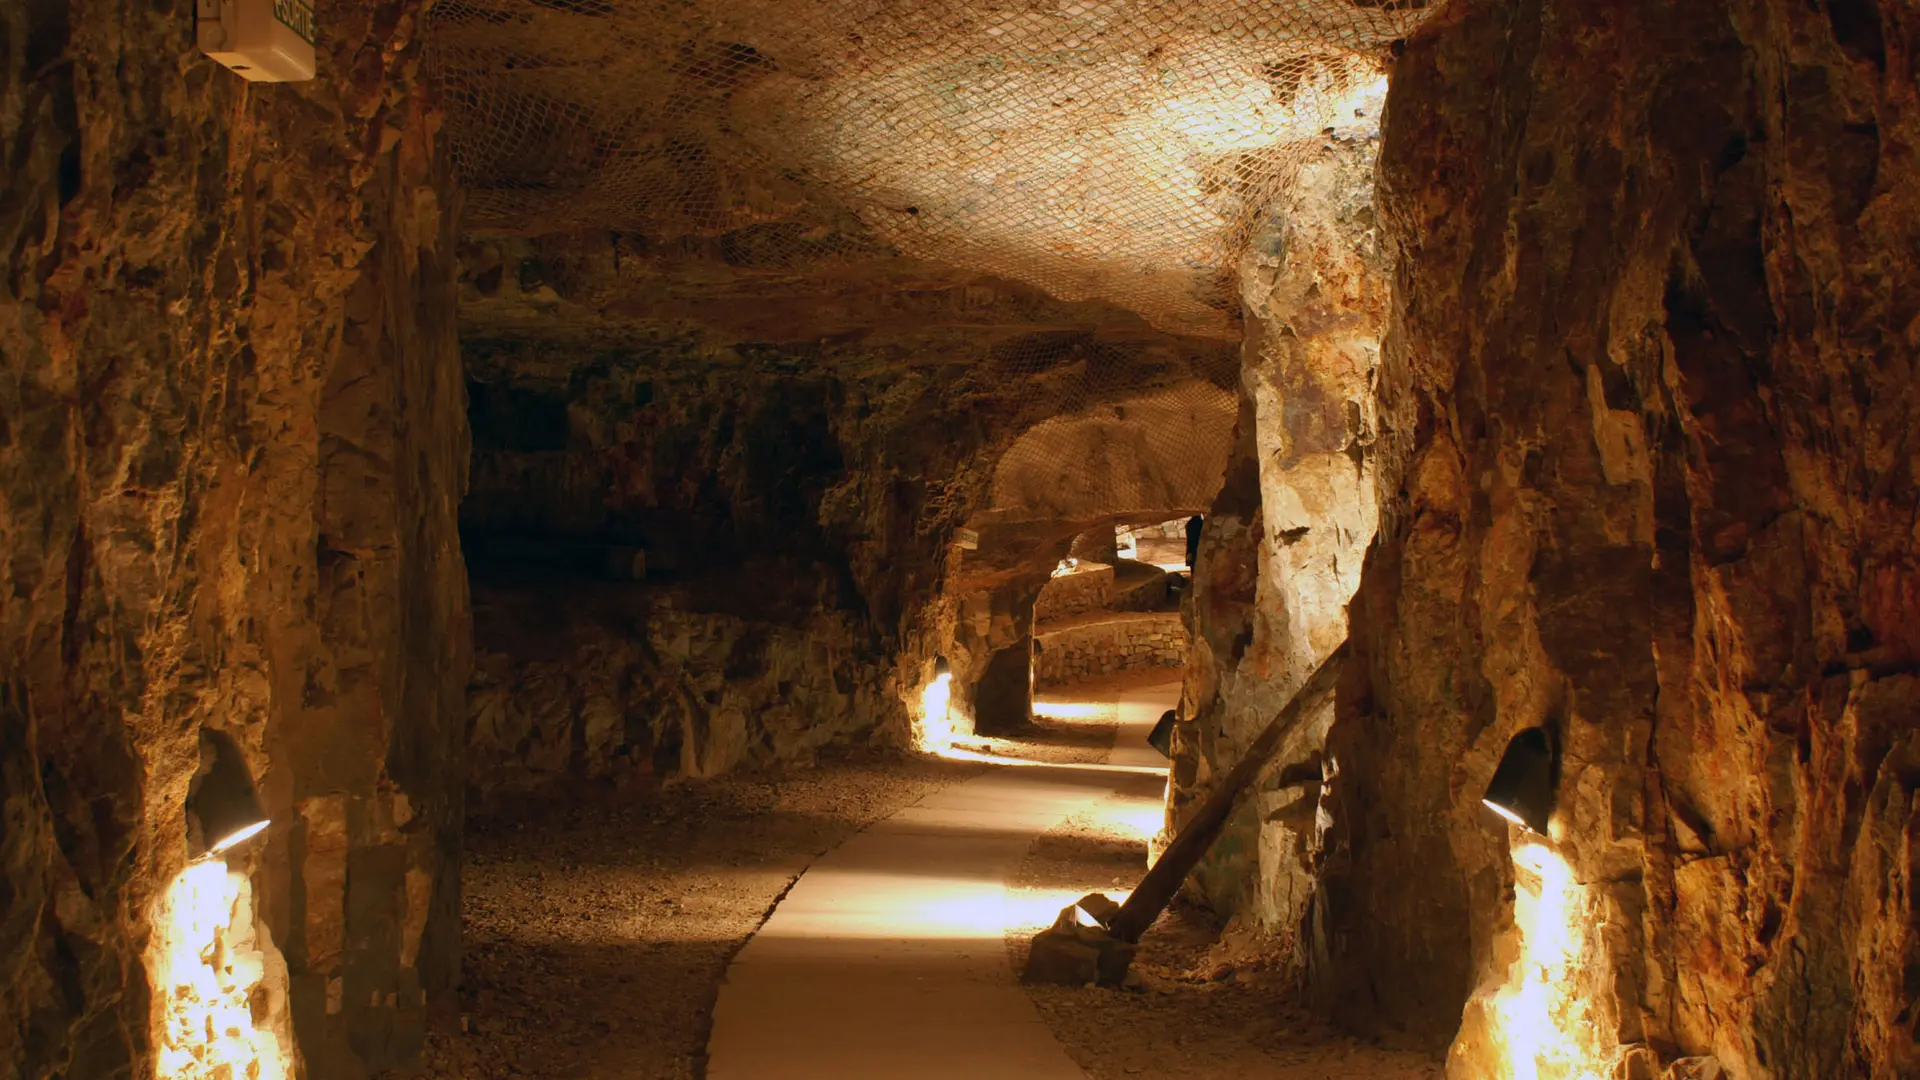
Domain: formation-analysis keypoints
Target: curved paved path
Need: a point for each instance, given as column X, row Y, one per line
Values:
column 887, row 959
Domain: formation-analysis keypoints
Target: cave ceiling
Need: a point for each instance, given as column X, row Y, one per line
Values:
column 1040, row 208
column 825, row 170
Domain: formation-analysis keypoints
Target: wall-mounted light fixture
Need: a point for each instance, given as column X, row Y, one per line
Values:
column 222, row 808
column 1522, row 789
column 1161, row 737
column 259, row 40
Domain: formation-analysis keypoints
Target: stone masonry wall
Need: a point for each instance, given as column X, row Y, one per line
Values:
column 1103, row 646
column 1088, row 588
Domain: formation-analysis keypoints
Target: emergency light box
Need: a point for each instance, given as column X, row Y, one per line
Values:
column 261, row 40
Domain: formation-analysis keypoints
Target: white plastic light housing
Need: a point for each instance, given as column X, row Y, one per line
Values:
column 238, row 836
column 223, row 809
column 261, row 40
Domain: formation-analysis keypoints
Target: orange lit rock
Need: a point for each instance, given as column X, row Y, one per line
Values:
column 1282, row 549
column 231, row 446
column 1646, row 405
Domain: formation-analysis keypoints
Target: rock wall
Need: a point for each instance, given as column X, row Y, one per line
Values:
column 1281, row 550
column 1649, row 399
column 626, row 684
column 231, row 445
column 1105, row 644
column 991, row 596
column 788, row 450
column 1099, row 545
column 700, row 459
column 788, row 518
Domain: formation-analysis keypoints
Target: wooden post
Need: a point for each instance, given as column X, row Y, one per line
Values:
column 1157, row 889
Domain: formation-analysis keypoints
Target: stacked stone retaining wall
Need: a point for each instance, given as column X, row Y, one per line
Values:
column 1130, row 641
column 1089, row 588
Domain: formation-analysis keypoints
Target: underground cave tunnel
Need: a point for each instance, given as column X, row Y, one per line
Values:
column 592, row 539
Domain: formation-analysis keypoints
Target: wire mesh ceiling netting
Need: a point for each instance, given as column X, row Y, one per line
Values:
column 1113, row 150
column 1161, row 452
column 1123, row 438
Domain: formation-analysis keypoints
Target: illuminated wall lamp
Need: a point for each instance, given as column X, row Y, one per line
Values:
column 1522, row 789
column 222, row 808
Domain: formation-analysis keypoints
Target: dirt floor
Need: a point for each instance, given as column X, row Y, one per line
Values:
column 1198, row 1004
column 598, row 926
column 597, row 929
column 1082, row 737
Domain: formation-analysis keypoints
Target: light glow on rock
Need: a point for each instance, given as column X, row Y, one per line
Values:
column 239, row 836
column 935, row 734
column 212, row 981
column 1543, row 1019
column 1504, row 812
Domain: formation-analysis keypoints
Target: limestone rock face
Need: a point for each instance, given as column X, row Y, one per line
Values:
column 1649, row 479
column 792, row 496
column 231, row 448
column 626, row 683
column 1281, row 552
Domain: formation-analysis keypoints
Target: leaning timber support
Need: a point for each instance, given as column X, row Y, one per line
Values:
column 1074, row 952
column 1157, row 889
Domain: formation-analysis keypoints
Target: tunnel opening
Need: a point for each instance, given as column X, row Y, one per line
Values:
column 1106, row 615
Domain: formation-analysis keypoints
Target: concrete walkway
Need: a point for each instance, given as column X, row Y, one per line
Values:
column 887, row 959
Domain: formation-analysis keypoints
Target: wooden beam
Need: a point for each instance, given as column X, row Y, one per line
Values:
column 1157, row 889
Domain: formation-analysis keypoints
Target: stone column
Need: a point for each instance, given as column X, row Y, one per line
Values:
column 1283, row 546
column 1003, row 698
column 1650, row 393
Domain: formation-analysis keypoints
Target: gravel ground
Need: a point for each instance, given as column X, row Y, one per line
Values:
column 1077, row 741
column 597, row 929
column 1199, row 1004
column 598, row 924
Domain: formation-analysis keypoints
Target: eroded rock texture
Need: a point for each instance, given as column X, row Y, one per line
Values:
column 1649, row 403
column 1281, row 551
column 791, row 499
column 231, row 447
column 632, row 683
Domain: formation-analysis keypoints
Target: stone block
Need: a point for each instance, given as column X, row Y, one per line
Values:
column 1071, row 954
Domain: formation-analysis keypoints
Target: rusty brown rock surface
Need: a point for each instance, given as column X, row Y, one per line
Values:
column 1281, row 552
column 796, row 496
column 1649, row 401
column 638, row 684
column 231, row 445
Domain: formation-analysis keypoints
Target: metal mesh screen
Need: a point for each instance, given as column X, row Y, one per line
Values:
column 1160, row 452
column 1117, row 150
